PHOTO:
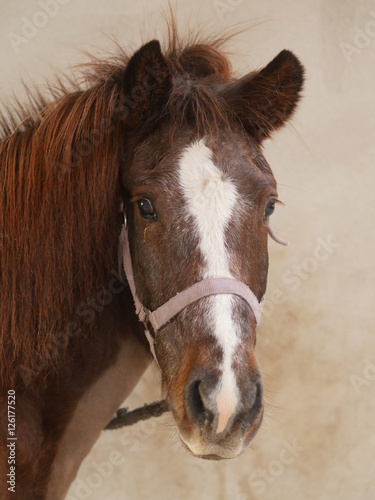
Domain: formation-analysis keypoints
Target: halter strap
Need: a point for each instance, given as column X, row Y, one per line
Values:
column 154, row 320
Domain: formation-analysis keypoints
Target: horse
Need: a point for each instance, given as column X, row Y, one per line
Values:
column 152, row 160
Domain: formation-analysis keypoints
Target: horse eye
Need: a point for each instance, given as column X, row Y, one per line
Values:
column 270, row 208
column 146, row 209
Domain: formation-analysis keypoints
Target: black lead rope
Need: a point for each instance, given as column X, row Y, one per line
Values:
column 124, row 417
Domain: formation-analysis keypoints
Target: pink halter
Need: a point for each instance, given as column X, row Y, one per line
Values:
column 156, row 319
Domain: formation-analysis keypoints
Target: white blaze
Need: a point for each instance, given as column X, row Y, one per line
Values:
column 211, row 198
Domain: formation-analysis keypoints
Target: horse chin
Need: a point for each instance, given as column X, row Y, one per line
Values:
column 211, row 451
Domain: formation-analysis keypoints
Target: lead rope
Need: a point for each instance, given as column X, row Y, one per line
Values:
column 167, row 311
column 124, row 417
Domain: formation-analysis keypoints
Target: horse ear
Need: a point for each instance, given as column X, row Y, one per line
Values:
column 146, row 83
column 265, row 100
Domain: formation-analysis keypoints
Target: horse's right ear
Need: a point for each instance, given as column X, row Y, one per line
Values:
column 146, row 84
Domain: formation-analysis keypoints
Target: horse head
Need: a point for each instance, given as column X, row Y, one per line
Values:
column 198, row 195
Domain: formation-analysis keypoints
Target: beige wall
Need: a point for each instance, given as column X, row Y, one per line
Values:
column 316, row 348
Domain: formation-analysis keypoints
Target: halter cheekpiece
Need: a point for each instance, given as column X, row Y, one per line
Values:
column 153, row 321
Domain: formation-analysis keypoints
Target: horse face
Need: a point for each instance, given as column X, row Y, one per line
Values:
column 199, row 209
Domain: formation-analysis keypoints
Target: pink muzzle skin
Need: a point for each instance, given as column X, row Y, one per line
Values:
column 154, row 320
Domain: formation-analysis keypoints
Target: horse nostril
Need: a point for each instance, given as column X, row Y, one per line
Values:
column 256, row 405
column 194, row 402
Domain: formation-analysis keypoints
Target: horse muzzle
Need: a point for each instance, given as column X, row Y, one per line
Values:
column 215, row 424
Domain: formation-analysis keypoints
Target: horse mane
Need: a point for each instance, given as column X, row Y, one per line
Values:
column 59, row 178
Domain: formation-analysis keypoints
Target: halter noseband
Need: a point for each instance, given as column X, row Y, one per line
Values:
column 154, row 320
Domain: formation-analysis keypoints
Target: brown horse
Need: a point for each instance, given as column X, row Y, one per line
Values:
column 175, row 139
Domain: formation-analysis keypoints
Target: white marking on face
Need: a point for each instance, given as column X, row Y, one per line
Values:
column 226, row 402
column 211, row 198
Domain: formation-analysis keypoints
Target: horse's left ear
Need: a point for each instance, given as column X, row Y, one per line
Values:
column 266, row 99
column 146, row 83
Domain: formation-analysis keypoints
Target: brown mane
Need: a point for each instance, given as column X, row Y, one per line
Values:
column 59, row 175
